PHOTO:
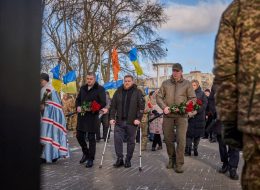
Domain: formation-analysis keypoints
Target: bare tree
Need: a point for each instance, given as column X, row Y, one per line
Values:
column 82, row 33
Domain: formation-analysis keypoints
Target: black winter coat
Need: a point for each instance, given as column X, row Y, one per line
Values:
column 215, row 125
column 197, row 123
column 136, row 106
column 89, row 121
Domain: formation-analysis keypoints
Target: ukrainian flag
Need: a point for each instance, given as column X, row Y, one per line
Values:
column 133, row 58
column 69, row 81
column 111, row 87
column 56, row 82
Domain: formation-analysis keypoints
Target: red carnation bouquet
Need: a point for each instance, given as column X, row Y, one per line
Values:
column 90, row 107
column 186, row 107
column 150, row 105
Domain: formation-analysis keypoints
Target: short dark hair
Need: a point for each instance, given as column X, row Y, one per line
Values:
column 44, row 76
column 91, row 74
column 151, row 93
column 207, row 90
column 129, row 76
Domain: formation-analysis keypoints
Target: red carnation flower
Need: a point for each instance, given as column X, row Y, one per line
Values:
column 95, row 106
column 189, row 107
column 149, row 105
column 199, row 102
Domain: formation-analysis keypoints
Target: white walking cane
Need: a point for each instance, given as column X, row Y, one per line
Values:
column 101, row 163
column 140, row 149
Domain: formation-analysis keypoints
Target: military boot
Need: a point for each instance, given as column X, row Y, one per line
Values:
column 187, row 151
column 233, row 174
column 170, row 163
column 179, row 169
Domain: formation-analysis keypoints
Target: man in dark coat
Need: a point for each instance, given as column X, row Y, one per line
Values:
column 197, row 122
column 229, row 155
column 88, row 121
column 126, row 113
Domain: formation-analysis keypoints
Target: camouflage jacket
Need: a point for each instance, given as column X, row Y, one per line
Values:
column 68, row 105
column 237, row 66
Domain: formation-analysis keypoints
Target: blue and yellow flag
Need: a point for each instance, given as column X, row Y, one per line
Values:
column 133, row 58
column 56, row 82
column 56, row 72
column 69, row 77
column 112, row 86
column 69, row 81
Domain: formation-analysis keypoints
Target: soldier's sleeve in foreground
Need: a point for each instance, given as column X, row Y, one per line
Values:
column 78, row 99
column 160, row 97
column 112, row 111
column 191, row 93
column 225, row 66
column 140, row 105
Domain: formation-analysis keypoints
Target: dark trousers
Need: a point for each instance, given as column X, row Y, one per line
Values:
column 194, row 140
column 105, row 124
column 228, row 155
column 207, row 131
column 119, row 135
column 91, row 151
column 157, row 140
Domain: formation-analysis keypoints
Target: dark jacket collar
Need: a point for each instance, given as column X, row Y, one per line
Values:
column 95, row 86
column 198, row 90
column 134, row 86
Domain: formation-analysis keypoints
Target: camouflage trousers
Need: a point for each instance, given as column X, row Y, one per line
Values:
column 71, row 122
column 144, row 128
column 251, row 171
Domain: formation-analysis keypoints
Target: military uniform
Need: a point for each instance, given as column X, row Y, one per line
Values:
column 68, row 107
column 144, row 125
column 175, row 92
column 237, row 80
column 74, row 117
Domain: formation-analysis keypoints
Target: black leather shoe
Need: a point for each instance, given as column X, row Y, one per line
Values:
column 119, row 163
column 187, row 152
column 54, row 160
column 233, row 174
column 89, row 163
column 83, row 159
column 153, row 148
column 224, row 168
column 127, row 163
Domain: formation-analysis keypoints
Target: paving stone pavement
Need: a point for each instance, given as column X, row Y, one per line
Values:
column 200, row 173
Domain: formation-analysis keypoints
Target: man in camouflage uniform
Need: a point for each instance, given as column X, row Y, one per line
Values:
column 74, row 117
column 144, row 125
column 237, row 80
column 175, row 91
column 68, row 107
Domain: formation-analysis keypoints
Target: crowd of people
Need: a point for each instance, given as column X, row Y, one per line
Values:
column 131, row 109
column 228, row 112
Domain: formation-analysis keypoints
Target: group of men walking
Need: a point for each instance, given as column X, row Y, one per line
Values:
column 236, row 81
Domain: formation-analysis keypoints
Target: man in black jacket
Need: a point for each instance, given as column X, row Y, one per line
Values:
column 88, row 121
column 126, row 112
